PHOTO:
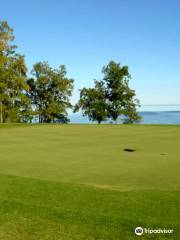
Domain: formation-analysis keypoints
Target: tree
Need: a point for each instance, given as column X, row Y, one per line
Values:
column 111, row 97
column 130, row 112
column 14, row 104
column 121, row 99
column 93, row 103
column 50, row 92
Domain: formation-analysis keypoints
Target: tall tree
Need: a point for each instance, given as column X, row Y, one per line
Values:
column 93, row 103
column 120, row 97
column 111, row 97
column 50, row 92
column 13, row 102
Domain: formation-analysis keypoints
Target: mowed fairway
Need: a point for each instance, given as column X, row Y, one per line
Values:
column 77, row 182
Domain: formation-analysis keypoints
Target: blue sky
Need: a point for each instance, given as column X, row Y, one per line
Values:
column 85, row 35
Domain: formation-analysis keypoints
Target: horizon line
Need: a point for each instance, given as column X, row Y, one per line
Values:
column 160, row 105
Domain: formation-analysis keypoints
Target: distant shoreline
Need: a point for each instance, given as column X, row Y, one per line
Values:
column 148, row 117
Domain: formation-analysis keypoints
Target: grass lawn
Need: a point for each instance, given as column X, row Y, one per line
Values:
column 74, row 182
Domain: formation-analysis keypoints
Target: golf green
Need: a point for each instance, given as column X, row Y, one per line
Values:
column 78, row 182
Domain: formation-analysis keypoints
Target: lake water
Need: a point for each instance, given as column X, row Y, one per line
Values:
column 148, row 117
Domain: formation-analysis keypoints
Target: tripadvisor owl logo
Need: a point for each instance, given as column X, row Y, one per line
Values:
column 138, row 231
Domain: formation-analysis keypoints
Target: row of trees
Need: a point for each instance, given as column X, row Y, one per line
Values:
column 45, row 96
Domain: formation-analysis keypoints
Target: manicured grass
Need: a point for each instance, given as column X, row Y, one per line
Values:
column 76, row 182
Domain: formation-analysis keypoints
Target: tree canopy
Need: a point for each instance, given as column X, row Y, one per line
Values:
column 120, row 97
column 111, row 97
column 50, row 92
column 93, row 103
column 44, row 94
column 13, row 102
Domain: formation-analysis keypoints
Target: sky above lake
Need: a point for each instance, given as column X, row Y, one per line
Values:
column 86, row 34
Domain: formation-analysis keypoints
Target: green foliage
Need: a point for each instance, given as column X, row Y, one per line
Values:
column 93, row 103
column 14, row 104
column 111, row 97
column 130, row 112
column 46, row 95
column 50, row 92
column 121, row 98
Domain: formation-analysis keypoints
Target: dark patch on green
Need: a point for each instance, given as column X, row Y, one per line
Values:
column 129, row 150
